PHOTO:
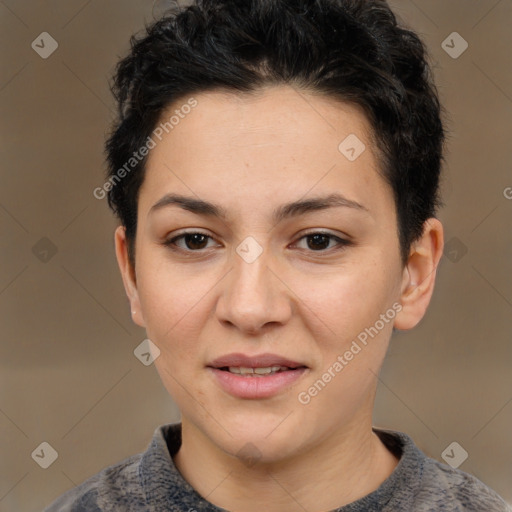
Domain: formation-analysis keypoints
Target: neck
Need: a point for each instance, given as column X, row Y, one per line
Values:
column 345, row 466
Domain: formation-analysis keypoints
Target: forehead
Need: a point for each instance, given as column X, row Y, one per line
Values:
column 285, row 112
column 280, row 140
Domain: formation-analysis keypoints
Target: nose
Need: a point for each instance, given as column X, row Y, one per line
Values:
column 253, row 295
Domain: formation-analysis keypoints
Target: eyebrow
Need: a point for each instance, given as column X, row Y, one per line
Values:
column 284, row 211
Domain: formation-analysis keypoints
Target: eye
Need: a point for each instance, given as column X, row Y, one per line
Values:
column 319, row 241
column 194, row 241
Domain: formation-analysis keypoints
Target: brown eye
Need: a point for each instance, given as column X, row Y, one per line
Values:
column 320, row 242
column 194, row 241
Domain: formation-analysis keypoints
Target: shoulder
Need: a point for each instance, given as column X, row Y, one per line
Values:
column 422, row 484
column 129, row 484
column 447, row 489
column 116, row 486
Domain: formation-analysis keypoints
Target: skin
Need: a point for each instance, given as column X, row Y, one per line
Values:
column 250, row 154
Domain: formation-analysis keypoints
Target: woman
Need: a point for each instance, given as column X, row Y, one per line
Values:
column 275, row 170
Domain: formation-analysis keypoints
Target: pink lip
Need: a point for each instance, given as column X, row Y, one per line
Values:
column 256, row 387
column 258, row 361
column 253, row 387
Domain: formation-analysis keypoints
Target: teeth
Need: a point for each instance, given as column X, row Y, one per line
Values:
column 262, row 371
column 257, row 371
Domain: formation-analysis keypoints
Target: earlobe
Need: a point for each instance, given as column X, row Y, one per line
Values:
column 128, row 275
column 419, row 275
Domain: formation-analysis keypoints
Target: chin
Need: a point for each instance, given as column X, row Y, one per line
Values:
column 259, row 436
column 251, row 451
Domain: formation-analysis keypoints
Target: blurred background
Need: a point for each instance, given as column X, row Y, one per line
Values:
column 69, row 376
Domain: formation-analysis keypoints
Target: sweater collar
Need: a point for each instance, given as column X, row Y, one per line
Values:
column 164, row 486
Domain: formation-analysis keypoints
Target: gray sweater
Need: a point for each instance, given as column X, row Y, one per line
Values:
column 150, row 482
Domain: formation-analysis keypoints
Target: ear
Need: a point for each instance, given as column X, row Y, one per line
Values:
column 419, row 275
column 128, row 275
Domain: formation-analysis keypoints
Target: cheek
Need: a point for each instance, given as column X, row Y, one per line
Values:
column 169, row 293
column 351, row 339
column 171, row 304
column 348, row 301
column 172, row 308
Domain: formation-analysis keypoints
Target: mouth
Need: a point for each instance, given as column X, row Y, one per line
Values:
column 263, row 363
column 255, row 377
column 257, row 372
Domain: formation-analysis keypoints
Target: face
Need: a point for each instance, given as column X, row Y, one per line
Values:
column 259, row 281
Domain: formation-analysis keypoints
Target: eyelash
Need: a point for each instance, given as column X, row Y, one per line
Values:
column 342, row 243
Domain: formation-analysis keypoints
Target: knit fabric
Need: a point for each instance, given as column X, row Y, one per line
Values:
column 150, row 482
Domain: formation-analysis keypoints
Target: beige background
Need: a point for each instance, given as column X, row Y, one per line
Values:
column 68, row 373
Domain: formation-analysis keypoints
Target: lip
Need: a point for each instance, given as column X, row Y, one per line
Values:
column 257, row 361
column 256, row 387
column 264, row 386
